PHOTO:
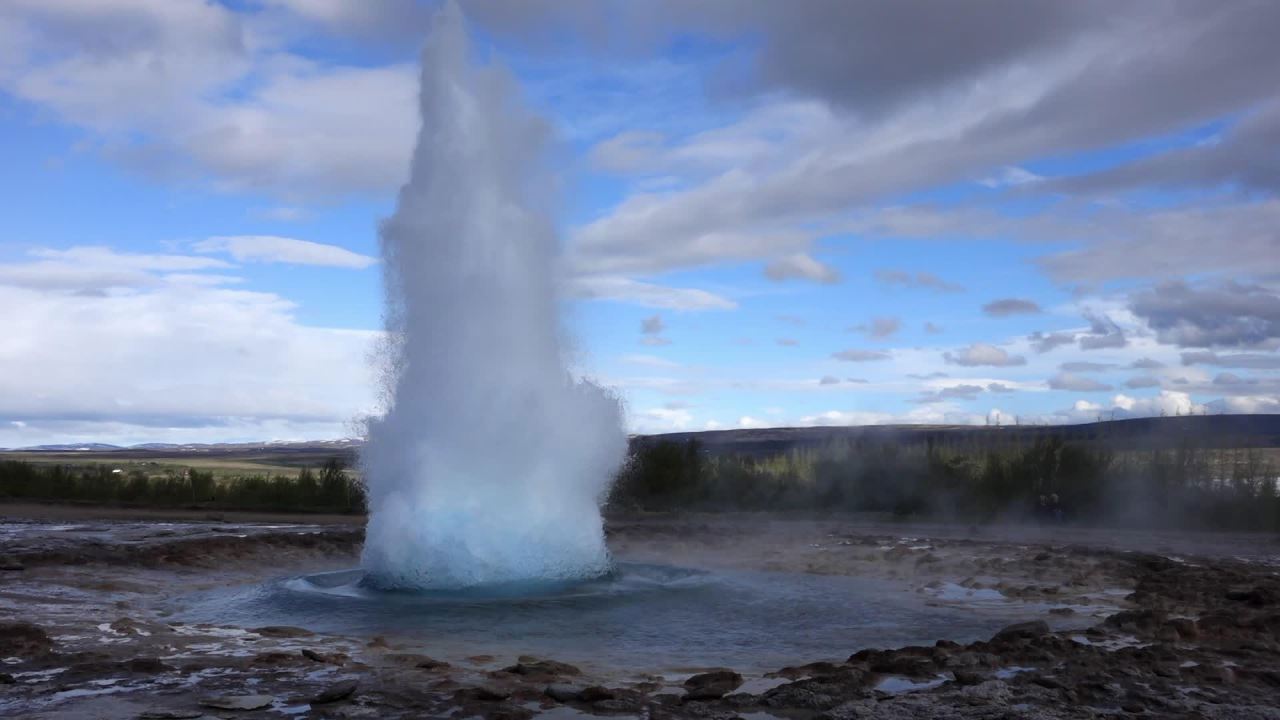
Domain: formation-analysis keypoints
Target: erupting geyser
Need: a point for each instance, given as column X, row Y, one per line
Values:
column 490, row 463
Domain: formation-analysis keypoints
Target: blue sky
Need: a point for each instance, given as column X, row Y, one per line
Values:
column 769, row 214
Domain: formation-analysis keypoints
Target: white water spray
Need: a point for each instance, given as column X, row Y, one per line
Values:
column 491, row 461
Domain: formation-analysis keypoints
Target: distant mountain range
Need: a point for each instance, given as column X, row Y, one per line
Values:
column 344, row 444
column 1205, row 430
column 1220, row 431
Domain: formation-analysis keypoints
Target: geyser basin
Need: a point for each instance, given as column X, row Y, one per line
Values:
column 640, row 617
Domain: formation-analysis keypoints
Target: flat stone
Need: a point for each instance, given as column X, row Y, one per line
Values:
column 338, row 691
column 169, row 714
column 237, row 702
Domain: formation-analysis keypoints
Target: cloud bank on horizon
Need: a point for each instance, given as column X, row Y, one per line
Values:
column 827, row 213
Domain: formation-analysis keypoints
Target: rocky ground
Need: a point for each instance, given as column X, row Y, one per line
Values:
column 1171, row 626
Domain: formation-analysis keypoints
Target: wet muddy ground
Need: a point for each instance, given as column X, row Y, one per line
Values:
column 94, row 623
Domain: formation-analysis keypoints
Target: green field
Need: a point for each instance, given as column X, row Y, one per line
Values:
column 223, row 464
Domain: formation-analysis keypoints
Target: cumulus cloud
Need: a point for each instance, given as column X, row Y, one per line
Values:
column 829, row 380
column 652, row 325
column 1167, row 402
column 274, row 249
column 1085, row 366
column 1005, row 307
column 1142, row 381
column 1104, row 333
column 954, row 392
column 1146, row 364
column 879, row 328
column 195, row 89
column 932, row 328
column 1076, row 383
column 861, row 355
column 801, row 267
column 1228, row 315
column 983, row 354
column 644, row 294
column 1044, row 342
column 788, row 342
column 1257, row 361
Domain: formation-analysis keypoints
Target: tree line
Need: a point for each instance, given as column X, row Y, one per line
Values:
column 1045, row 479
column 329, row 488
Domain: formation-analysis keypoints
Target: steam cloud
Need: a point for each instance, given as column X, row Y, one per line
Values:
column 491, row 461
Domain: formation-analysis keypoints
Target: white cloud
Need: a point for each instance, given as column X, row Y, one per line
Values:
column 96, row 269
column 193, row 89
column 274, row 249
column 168, row 357
column 984, row 354
column 855, row 355
column 801, row 267
column 1076, row 383
column 646, row 294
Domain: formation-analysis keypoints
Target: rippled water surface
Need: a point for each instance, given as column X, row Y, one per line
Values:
column 641, row 616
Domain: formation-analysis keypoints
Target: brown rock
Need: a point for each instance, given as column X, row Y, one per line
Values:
column 595, row 694
column 532, row 666
column 23, row 639
column 282, row 631
column 490, row 694
column 711, row 685
column 1022, row 631
column 327, row 658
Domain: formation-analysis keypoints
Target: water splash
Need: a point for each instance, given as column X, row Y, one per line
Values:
column 491, row 461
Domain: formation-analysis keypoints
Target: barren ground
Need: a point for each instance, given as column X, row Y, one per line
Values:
column 1163, row 625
